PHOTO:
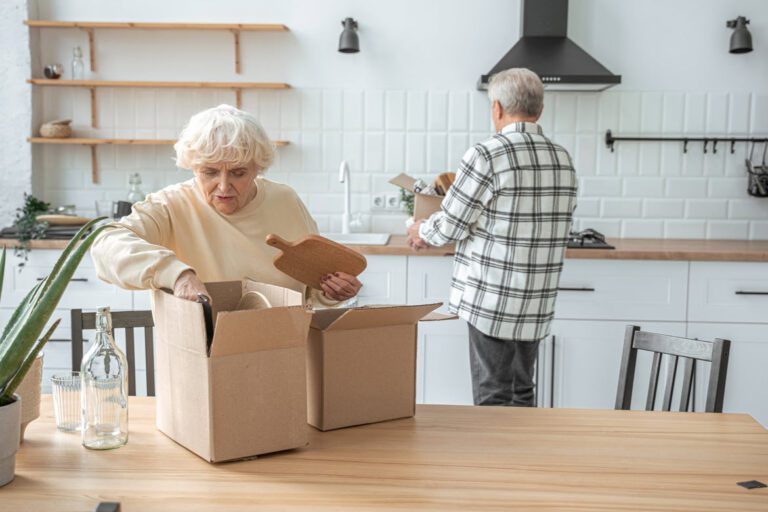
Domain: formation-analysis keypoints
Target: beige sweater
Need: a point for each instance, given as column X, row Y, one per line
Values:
column 175, row 229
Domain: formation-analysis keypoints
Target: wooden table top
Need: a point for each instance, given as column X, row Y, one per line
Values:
column 626, row 249
column 446, row 458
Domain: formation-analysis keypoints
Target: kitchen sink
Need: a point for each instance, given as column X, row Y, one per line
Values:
column 358, row 238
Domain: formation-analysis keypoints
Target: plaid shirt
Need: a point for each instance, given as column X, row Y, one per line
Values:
column 510, row 212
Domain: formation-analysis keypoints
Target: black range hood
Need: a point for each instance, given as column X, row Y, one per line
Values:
column 546, row 50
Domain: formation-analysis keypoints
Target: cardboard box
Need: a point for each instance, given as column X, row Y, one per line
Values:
column 248, row 396
column 361, row 364
column 423, row 205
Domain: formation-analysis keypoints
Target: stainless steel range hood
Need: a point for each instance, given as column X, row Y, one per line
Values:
column 546, row 50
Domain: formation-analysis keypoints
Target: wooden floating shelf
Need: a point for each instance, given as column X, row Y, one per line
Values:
column 93, row 142
column 94, row 84
column 174, row 85
column 117, row 142
column 90, row 26
column 245, row 27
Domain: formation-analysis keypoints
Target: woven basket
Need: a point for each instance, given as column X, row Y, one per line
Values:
column 56, row 129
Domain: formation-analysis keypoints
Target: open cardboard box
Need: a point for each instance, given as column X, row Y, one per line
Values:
column 423, row 205
column 247, row 396
column 361, row 364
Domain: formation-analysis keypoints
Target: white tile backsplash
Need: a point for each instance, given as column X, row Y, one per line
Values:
column 641, row 190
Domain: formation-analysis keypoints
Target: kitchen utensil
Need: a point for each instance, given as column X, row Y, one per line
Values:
column 253, row 300
column 208, row 319
column 59, row 129
column 444, row 181
column 53, row 71
column 757, row 185
column 62, row 220
column 311, row 258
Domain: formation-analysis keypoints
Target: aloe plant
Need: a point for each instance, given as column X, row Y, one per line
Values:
column 21, row 341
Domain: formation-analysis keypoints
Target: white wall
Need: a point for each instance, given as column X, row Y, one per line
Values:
column 407, row 101
column 15, row 108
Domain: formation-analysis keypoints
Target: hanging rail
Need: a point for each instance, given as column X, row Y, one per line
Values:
column 611, row 139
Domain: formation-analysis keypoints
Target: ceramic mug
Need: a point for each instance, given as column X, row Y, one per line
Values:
column 53, row 71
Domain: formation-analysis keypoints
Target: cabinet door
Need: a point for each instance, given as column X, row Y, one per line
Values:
column 588, row 359
column 729, row 292
column 85, row 290
column 384, row 280
column 443, row 375
column 623, row 290
column 429, row 279
column 746, row 382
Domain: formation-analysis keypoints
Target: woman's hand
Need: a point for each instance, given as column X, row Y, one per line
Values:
column 188, row 285
column 340, row 286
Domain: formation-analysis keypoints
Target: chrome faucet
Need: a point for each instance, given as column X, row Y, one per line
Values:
column 344, row 178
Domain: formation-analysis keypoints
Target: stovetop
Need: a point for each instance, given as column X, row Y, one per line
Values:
column 587, row 239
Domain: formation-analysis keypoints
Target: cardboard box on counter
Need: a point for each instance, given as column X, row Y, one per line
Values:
column 244, row 392
column 423, row 205
column 361, row 365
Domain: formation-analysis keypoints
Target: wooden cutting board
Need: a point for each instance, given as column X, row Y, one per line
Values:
column 63, row 220
column 311, row 258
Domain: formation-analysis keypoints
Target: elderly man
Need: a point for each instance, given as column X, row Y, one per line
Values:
column 509, row 212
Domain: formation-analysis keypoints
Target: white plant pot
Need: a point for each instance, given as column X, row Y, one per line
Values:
column 29, row 391
column 10, row 422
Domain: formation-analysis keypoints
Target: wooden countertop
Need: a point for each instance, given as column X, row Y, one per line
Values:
column 626, row 249
column 445, row 458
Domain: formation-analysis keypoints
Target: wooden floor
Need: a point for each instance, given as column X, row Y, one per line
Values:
column 446, row 458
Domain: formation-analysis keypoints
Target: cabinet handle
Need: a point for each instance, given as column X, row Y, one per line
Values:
column 58, row 340
column 570, row 289
column 746, row 292
column 76, row 279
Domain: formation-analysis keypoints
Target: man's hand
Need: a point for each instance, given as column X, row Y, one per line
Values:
column 188, row 285
column 414, row 239
column 340, row 286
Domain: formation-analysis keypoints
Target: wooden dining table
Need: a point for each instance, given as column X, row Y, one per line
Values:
column 445, row 458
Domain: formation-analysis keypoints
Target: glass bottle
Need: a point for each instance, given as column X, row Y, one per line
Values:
column 135, row 193
column 78, row 68
column 104, row 385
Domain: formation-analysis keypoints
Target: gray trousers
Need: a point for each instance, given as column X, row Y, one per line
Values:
column 502, row 370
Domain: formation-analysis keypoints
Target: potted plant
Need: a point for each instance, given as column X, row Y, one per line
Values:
column 21, row 340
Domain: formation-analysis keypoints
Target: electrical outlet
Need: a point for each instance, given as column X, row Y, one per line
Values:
column 378, row 201
column 393, row 202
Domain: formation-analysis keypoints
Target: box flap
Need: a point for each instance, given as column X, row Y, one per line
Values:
column 241, row 332
column 225, row 296
column 325, row 317
column 378, row 316
column 402, row 180
column 179, row 322
column 276, row 295
column 434, row 316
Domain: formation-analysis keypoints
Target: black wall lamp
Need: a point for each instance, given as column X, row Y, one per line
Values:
column 741, row 39
column 348, row 41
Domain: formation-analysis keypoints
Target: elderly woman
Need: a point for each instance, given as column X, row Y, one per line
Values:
column 213, row 227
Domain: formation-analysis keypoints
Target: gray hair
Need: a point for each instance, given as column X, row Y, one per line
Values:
column 223, row 134
column 518, row 90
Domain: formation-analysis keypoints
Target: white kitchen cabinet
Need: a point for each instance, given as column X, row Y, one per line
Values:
column 728, row 292
column 429, row 279
column 384, row 280
column 623, row 289
column 746, row 383
column 444, row 370
column 588, row 360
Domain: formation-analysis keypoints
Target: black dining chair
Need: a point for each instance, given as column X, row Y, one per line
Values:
column 128, row 320
column 677, row 349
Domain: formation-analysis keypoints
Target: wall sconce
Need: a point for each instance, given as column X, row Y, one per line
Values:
column 348, row 41
column 741, row 39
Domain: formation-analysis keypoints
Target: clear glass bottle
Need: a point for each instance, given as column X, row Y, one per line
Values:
column 78, row 68
column 104, row 389
column 135, row 193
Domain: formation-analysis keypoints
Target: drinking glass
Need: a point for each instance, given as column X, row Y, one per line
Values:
column 66, row 401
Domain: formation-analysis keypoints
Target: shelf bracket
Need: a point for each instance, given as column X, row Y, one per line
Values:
column 239, row 98
column 94, row 113
column 91, row 48
column 94, row 165
column 236, row 33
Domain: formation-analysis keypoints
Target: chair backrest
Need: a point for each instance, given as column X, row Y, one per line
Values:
column 127, row 320
column 676, row 348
